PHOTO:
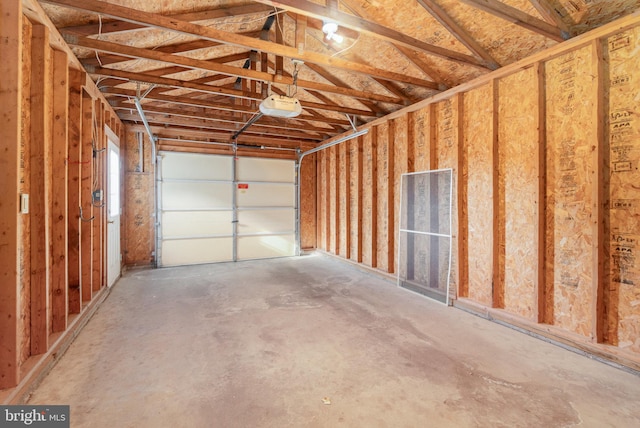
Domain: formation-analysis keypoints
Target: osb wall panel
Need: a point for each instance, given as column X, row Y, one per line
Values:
column 571, row 133
column 624, row 138
column 382, row 186
column 308, row 199
column 343, row 205
column 446, row 144
column 139, row 230
column 367, row 198
column 422, row 143
column 518, row 158
column 355, row 197
column 478, row 135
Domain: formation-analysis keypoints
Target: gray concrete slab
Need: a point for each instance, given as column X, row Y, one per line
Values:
column 316, row 342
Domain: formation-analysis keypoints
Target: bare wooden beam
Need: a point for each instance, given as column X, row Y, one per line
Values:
column 120, row 26
column 374, row 196
column 279, row 68
column 204, row 113
column 301, row 32
column 40, row 198
column 498, row 241
column 334, row 154
column 170, row 82
column 244, row 151
column 106, row 59
column 76, row 79
column 600, row 193
column 541, row 312
column 327, row 199
column 443, row 82
column 149, row 77
column 346, row 158
column 458, row 32
column 360, row 185
column 233, row 107
column 60, row 195
column 410, row 54
column 336, row 81
column 99, row 164
column 517, row 17
column 550, row 14
column 159, row 119
column 176, row 132
column 10, row 137
column 389, row 197
column 209, row 33
column 86, row 207
column 307, row 8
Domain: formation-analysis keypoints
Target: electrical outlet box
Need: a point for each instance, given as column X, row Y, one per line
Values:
column 24, row 203
column 97, row 195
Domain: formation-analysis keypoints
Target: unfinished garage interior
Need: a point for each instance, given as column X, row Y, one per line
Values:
column 321, row 212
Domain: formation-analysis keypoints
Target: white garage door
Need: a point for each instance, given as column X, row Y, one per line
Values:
column 219, row 208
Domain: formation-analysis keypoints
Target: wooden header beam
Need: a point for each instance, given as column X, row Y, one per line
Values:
column 10, row 137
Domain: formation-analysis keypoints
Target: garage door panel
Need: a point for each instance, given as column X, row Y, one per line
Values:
column 258, row 169
column 196, row 166
column 178, row 224
column 261, row 247
column 265, row 221
column 196, row 195
column 267, row 195
column 195, row 251
column 199, row 201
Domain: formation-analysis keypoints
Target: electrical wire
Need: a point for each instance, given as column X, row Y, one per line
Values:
column 99, row 36
column 96, row 164
column 347, row 48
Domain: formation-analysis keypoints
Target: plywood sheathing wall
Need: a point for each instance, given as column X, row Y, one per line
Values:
column 42, row 106
column 138, row 238
column 308, row 202
column 623, row 134
column 546, row 206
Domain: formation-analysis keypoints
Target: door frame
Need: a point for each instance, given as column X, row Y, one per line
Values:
column 113, row 145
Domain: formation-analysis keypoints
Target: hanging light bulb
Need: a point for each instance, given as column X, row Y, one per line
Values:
column 330, row 28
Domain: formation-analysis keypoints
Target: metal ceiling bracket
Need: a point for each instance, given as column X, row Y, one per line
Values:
column 352, row 122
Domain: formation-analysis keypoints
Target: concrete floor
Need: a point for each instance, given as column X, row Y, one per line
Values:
column 262, row 344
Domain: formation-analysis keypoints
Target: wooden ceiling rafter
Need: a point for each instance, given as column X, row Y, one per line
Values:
column 426, row 68
column 409, row 54
column 204, row 113
column 325, row 74
column 189, row 101
column 458, row 32
column 166, row 82
column 520, row 18
column 164, row 119
column 209, row 65
column 550, row 14
column 373, row 29
column 222, row 137
column 119, row 26
column 177, row 48
column 185, row 27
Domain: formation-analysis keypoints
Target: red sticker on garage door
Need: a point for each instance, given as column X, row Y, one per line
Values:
column 243, row 185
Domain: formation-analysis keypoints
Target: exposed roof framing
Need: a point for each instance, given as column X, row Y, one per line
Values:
column 511, row 14
column 206, row 66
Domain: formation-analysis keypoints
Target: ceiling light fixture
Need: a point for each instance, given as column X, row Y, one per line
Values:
column 330, row 28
